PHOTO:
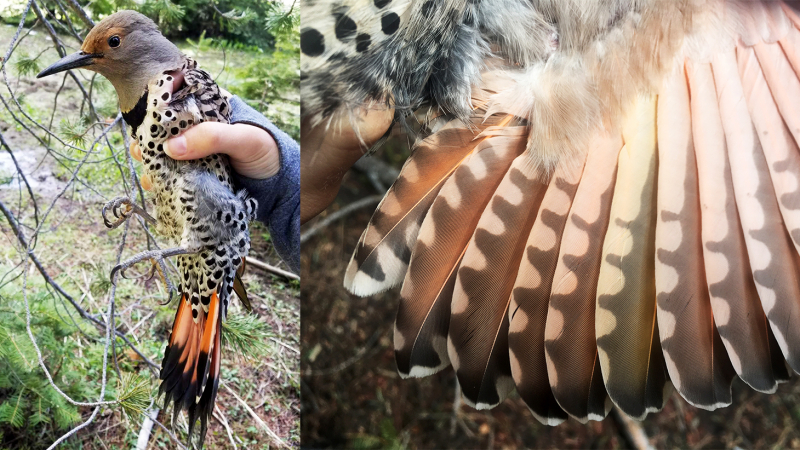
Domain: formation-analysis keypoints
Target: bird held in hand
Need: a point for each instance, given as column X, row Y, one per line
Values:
column 161, row 94
column 603, row 199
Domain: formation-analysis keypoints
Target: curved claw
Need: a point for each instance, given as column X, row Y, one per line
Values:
column 119, row 216
column 157, row 256
column 114, row 271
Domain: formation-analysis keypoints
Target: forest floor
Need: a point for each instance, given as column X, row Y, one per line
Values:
column 79, row 252
column 353, row 397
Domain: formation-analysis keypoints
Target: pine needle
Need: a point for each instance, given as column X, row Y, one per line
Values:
column 245, row 334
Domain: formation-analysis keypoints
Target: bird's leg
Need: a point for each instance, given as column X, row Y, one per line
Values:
column 122, row 208
column 157, row 257
column 159, row 267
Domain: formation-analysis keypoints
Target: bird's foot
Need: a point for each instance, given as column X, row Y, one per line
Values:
column 158, row 259
column 122, row 208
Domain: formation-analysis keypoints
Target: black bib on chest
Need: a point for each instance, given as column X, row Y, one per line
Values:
column 135, row 117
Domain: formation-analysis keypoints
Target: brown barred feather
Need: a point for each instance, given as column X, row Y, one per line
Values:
column 783, row 310
column 478, row 339
column 671, row 257
column 738, row 315
column 695, row 356
column 772, row 260
column 424, row 312
column 570, row 345
column 625, row 321
column 527, row 313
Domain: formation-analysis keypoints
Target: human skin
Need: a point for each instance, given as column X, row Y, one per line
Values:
column 328, row 150
column 252, row 151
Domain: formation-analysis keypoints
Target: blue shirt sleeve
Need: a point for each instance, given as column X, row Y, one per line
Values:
column 278, row 196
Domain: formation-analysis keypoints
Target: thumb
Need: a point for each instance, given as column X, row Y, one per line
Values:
column 202, row 140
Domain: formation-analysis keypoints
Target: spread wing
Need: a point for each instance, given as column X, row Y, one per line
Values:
column 611, row 216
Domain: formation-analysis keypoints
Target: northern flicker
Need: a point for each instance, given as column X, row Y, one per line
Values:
column 161, row 94
column 603, row 200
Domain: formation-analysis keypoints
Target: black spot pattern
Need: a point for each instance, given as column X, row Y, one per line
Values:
column 312, row 43
column 345, row 27
column 390, row 22
column 362, row 42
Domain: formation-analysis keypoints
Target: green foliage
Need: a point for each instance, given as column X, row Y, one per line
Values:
column 26, row 65
column 270, row 82
column 245, row 334
column 134, row 394
column 29, row 406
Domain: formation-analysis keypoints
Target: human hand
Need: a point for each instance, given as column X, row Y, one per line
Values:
column 253, row 152
column 327, row 152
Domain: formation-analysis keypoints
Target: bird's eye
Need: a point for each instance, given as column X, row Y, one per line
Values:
column 113, row 41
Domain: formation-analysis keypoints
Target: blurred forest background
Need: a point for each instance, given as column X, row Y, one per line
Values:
column 63, row 154
column 353, row 397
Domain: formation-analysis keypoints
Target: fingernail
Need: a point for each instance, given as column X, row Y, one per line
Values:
column 176, row 146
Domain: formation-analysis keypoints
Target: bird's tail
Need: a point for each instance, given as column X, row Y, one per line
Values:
column 190, row 369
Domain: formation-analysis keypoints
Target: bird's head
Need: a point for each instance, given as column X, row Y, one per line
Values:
column 128, row 49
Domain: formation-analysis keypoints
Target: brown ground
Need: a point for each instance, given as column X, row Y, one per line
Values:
column 353, row 397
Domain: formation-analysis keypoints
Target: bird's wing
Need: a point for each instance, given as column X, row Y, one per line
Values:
column 616, row 215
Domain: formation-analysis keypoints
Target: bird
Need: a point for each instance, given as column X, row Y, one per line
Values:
column 601, row 203
column 162, row 93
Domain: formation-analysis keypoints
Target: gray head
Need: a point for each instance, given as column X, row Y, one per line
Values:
column 127, row 48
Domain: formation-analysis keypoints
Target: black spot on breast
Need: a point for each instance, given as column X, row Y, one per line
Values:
column 153, row 128
column 362, row 42
column 390, row 22
column 227, row 218
column 174, row 130
column 182, row 124
column 426, row 8
column 242, row 227
column 165, row 97
column 241, row 242
column 380, row 4
column 218, row 274
column 194, row 313
column 206, row 299
column 169, row 78
column 151, row 144
column 211, row 113
column 168, row 113
column 312, row 43
column 345, row 27
column 220, row 251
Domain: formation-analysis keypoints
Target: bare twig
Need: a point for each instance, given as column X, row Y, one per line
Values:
column 632, row 430
column 275, row 438
column 272, row 269
column 147, row 427
column 221, row 418
column 329, row 219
